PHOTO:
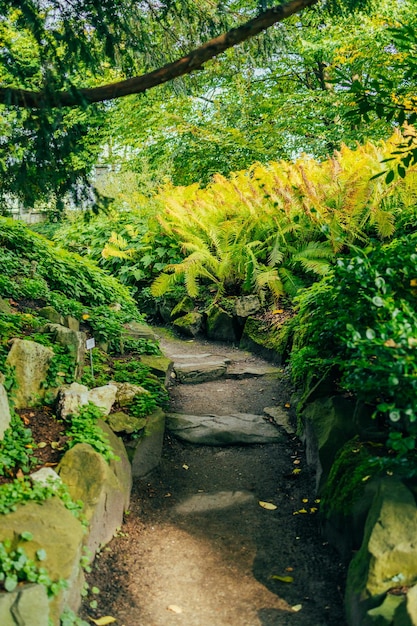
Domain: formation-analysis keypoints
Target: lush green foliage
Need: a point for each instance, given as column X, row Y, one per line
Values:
column 16, row 448
column 390, row 94
column 362, row 320
column 355, row 464
column 138, row 374
column 41, row 268
column 274, row 229
column 23, row 490
column 83, row 428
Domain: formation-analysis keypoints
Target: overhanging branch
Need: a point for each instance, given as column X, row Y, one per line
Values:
column 187, row 64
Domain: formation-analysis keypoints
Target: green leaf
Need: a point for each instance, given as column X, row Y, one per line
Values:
column 10, row 583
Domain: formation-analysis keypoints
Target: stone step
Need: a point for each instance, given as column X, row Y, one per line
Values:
column 223, row 430
column 281, row 418
column 242, row 370
column 194, row 370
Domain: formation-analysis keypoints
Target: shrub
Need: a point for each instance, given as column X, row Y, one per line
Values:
column 362, row 319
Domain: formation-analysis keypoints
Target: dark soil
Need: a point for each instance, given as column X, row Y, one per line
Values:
column 233, row 563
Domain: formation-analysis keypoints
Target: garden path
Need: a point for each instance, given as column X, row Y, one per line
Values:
column 198, row 548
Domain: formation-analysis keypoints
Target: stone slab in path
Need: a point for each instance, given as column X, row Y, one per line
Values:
column 243, row 370
column 194, row 370
column 219, row 500
column 280, row 417
column 222, row 430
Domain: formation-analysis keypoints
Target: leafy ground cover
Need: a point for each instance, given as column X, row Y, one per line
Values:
column 35, row 274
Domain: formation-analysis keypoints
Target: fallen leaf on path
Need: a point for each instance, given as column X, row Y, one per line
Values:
column 42, row 444
column 283, row 579
column 267, row 505
column 297, row 607
column 174, row 608
column 185, row 467
column 103, row 621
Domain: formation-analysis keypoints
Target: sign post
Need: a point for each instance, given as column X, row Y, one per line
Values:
column 90, row 343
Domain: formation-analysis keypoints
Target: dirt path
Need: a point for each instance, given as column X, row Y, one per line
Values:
column 197, row 549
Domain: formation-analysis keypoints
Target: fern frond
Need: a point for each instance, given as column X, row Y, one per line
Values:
column 163, row 283
column 113, row 251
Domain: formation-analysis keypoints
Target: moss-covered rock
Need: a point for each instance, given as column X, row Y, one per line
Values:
column 121, row 422
column 327, row 425
column 222, row 325
column 388, row 554
column 30, row 361
column 55, row 530
column 262, row 340
column 189, row 325
column 161, row 366
column 91, row 479
column 146, row 453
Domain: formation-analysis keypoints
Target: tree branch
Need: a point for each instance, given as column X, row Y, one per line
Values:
column 139, row 84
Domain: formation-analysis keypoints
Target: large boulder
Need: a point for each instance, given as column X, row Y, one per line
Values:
column 221, row 325
column 261, row 340
column 104, row 397
column 146, row 452
column 184, row 306
column 104, row 495
column 327, row 425
column 55, row 530
column 161, row 366
column 387, row 558
column 31, row 363
column 189, row 325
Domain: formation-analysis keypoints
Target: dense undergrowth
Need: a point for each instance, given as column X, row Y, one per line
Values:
column 39, row 276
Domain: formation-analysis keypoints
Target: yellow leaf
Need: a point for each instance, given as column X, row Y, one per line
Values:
column 304, row 500
column 365, row 478
column 297, row 607
column 267, row 505
column 283, row 579
column 103, row 621
column 185, row 466
column 296, row 471
column 413, row 282
column 287, row 405
column 85, row 316
column 276, row 311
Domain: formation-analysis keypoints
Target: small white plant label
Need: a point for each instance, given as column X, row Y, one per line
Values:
column 90, row 343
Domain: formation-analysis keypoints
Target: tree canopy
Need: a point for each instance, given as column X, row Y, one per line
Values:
column 62, row 62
